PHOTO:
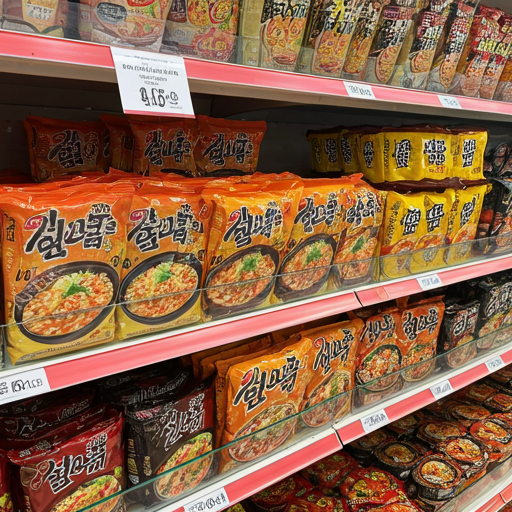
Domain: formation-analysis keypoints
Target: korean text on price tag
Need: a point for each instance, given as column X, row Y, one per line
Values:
column 152, row 83
column 495, row 364
column 429, row 282
column 441, row 389
column 363, row 91
column 449, row 101
column 23, row 385
column 212, row 502
column 374, row 421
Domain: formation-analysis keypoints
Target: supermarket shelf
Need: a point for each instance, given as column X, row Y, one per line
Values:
column 48, row 56
column 410, row 400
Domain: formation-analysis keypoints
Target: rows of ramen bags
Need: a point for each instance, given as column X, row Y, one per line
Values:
column 68, row 449
column 444, row 46
column 419, row 462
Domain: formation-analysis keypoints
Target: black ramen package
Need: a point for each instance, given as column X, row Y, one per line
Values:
column 363, row 449
column 398, row 457
column 77, row 472
column 167, row 432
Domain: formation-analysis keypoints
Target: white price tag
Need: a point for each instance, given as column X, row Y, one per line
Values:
column 212, row 502
column 374, row 421
column 152, row 83
column 441, row 389
column 363, row 91
column 449, row 101
column 429, row 282
column 495, row 364
column 23, row 385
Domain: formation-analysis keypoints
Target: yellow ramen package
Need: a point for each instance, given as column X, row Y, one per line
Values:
column 166, row 242
column 325, row 154
column 468, row 149
column 349, row 150
column 62, row 252
column 250, row 228
column 333, row 361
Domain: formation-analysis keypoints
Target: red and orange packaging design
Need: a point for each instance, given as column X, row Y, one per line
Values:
column 6, row 504
column 121, row 142
column 504, row 89
column 62, row 251
column 58, row 147
column 333, row 360
column 75, row 472
column 330, row 471
column 316, row 500
column 46, row 18
column 227, row 147
column 166, row 242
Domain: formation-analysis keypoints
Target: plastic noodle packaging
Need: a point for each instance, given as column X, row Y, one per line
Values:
column 121, row 142
column 325, row 151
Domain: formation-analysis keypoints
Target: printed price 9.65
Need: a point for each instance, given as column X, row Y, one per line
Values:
column 157, row 97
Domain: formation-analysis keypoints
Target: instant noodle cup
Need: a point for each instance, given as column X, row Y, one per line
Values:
column 463, row 222
column 165, row 146
column 325, row 154
column 121, row 142
column 468, row 148
column 310, row 251
column 248, row 234
column 254, row 403
column 363, row 449
column 97, row 456
column 59, row 147
column 496, row 435
column 166, row 242
column 62, row 252
column 398, row 457
column 333, row 365
column 227, row 147
column 330, row 471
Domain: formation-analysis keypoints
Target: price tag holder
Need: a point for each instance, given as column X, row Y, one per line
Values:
column 374, row 421
column 429, row 282
column 442, row 389
column 23, row 385
column 152, row 83
column 361, row 91
column 495, row 364
column 212, row 502
column 449, row 101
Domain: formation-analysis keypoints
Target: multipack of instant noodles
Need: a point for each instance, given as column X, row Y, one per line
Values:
column 468, row 149
column 121, row 142
column 62, row 252
column 202, row 29
column 58, row 147
column 76, row 472
column 166, row 241
column 250, row 228
column 325, row 153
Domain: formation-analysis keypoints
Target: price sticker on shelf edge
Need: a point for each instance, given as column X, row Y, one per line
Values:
column 495, row 364
column 152, row 83
column 374, row 421
column 449, row 101
column 429, row 282
column 212, row 502
column 361, row 91
column 23, row 385
column 441, row 389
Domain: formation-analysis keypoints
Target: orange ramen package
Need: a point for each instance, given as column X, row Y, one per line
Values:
column 58, row 147
column 164, row 146
column 248, row 234
column 333, row 359
column 504, row 89
column 121, row 142
column 227, row 147
column 62, row 252
column 166, row 241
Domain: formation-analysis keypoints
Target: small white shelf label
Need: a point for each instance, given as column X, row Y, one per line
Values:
column 441, row 389
column 152, row 83
column 374, row 421
column 429, row 282
column 362, row 91
column 495, row 364
column 449, row 101
column 212, row 502
column 23, row 385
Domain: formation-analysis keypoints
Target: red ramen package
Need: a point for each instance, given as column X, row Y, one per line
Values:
column 466, row 414
column 496, row 435
column 62, row 252
column 227, row 147
column 316, row 500
column 478, row 393
column 270, row 33
column 166, row 146
column 330, row 471
column 203, row 29
column 504, row 89
column 58, row 147
column 166, row 241
column 75, row 473
column 167, row 432
column 333, row 362
column 451, row 45
column 6, row 504
column 247, row 236
column 121, row 142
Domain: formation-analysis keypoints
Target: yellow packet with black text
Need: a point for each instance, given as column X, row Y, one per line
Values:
column 468, row 149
